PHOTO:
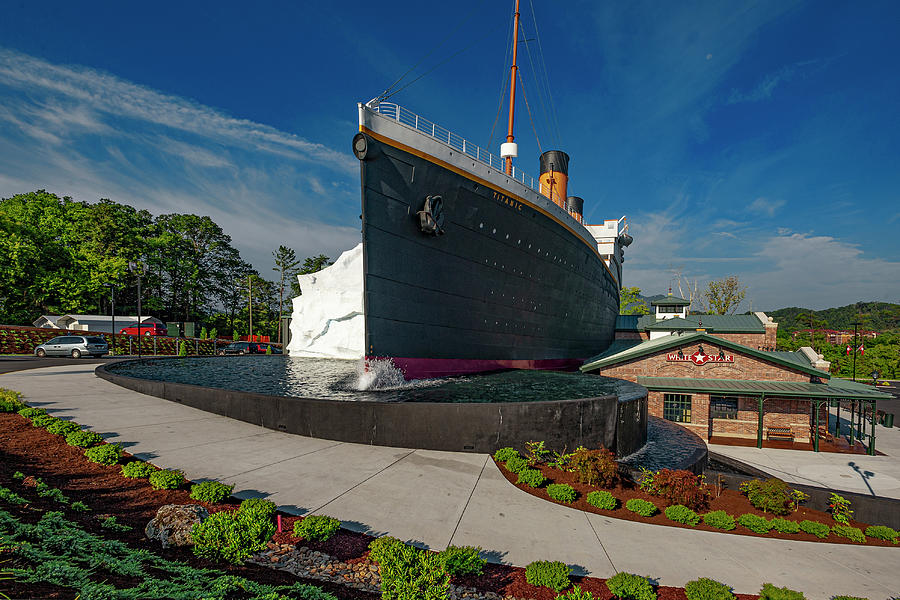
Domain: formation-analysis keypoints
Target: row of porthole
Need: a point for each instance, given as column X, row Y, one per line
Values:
column 519, row 243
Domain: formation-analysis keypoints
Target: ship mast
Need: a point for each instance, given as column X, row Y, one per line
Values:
column 509, row 150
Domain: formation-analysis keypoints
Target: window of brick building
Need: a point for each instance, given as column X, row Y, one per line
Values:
column 669, row 309
column 723, row 408
column 677, row 407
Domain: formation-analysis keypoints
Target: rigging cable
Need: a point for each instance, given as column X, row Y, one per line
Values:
column 553, row 111
column 504, row 83
column 525, row 97
column 538, row 86
column 387, row 93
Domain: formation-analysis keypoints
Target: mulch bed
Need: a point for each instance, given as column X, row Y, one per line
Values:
column 731, row 501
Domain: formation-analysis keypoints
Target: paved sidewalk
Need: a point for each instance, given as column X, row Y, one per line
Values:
column 437, row 498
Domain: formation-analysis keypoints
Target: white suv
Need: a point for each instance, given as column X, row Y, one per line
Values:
column 73, row 345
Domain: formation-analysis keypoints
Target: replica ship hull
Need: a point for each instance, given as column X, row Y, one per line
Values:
column 510, row 283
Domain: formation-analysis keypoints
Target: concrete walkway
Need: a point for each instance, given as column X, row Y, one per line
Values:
column 439, row 498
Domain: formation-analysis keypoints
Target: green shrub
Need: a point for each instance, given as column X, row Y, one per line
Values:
column 10, row 497
column 29, row 412
column 755, row 523
column 682, row 514
column 707, row 589
column 110, row 523
column 211, row 491
column 839, row 507
column 549, row 574
column 79, row 506
column 880, row 532
column 630, row 587
column 138, row 469
column 259, row 516
column 576, row 594
column 594, row 467
column 224, row 535
column 535, row 452
column 316, row 528
column 107, row 454
column 45, row 491
column 504, row 454
column 182, row 349
column 562, row 492
column 854, row 534
column 381, row 547
column 516, row 464
column 63, row 428
column 18, row 475
column 770, row 592
column 10, row 401
column 719, row 519
column 531, row 477
column 408, row 573
column 847, row 598
column 680, row 487
column 820, row 530
column 84, row 439
column 785, row 526
column 463, row 560
column 42, row 420
column 166, row 479
column 772, row 495
column 641, row 507
column 602, row 500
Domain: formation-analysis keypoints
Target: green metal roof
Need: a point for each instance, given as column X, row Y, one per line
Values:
column 832, row 389
column 621, row 352
column 712, row 323
column 634, row 322
column 670, row 301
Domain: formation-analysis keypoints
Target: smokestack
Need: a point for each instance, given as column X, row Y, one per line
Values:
column 555, row 176
column 575, row 206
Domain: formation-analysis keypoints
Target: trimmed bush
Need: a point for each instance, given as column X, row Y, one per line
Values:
column 63, row 428
column 531, row 477
column 576, row 594
column 210, row 491
column 770, row 496
column 682, row 514
column 770, row 592
column 516, row 464
column 29, row 412
column 259, row 516
column 602, row 500
column 641, row 507
column 707, row 589
column 820, row 530
column 166, row 479
column 107, row 454
column 681, row 487
column 80, row 506
column 549, row 574
column 379, row 548
column 594, row 467
column 630, row 587
column 755, row 523
column 233, row 536
column 880, row 532
column 504, row 454
column 138, row 469
column 42, row 420
column 408, row 573
column 719, row 519
column 785, row 526
column 84, row 439
column 9, row 496
column 316, row 528
column 18, row 475
column 854, row 534
column 10, row 401
column 463, row 560
column 562, row 492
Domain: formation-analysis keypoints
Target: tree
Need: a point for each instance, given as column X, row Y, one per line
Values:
column 286, row 262
column 725, row 295
column 631, row 303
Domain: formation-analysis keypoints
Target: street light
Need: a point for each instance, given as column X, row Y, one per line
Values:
column 875, row 375
column 141, row 269
column 112, row 291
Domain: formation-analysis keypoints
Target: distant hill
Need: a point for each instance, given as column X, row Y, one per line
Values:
column 877, row 316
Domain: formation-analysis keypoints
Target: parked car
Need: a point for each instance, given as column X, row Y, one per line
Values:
column 263, row 347
column 144, row 329
column 239, row 348
column 73, row 345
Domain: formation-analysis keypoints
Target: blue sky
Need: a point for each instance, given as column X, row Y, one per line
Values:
column 757, row 139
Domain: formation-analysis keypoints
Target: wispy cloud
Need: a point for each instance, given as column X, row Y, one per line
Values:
column 766, row 87
column 765, row 206
column 80, row 132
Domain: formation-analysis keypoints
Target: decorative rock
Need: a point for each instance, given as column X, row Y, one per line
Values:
column 172, row 524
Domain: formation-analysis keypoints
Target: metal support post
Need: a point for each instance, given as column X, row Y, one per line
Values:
column 837, row 419
column 154, row 346
column 852, row 417
column 871, row 450
column 759, row 426
column 196, row 346
column 817, row 405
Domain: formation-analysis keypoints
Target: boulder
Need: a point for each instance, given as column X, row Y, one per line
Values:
column 172, row 524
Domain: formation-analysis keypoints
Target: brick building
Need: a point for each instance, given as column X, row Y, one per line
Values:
column 725, row 381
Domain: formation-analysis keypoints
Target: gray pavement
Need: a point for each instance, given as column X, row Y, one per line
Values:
column 437, row 498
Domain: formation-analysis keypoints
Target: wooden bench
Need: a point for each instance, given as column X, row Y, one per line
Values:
column 784, row 434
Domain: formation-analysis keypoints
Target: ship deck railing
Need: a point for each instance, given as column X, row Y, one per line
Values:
column 445, row 136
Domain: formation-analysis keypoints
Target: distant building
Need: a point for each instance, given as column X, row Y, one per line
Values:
column 95, row 323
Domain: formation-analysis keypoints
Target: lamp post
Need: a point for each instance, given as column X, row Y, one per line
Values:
column 855, row 347
column 112, row 291
column 140, row 269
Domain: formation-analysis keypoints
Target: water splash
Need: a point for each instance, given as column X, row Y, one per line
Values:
column 378, row 374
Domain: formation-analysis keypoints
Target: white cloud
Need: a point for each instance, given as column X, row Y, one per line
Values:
column 765, row 206
column 766, row 87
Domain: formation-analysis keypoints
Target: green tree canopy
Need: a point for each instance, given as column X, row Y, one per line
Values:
column 631, row 302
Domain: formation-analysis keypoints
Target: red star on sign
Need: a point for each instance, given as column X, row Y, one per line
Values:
column 698, row 358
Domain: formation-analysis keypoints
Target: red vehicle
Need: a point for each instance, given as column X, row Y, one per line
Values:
column 145, row 329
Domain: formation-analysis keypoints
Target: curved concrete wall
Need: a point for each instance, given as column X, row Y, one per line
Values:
column 459, row 427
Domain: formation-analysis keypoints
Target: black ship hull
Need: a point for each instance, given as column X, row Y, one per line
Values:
column 507, row 285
